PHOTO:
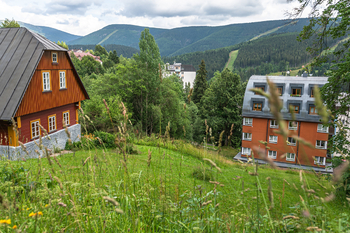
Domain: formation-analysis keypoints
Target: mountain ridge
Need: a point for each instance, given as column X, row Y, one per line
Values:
column 188, row 39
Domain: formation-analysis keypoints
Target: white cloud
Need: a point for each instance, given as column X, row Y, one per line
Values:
column 85, row 16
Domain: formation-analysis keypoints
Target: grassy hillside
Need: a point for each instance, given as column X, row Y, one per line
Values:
column 51, row 33
column 177, row 41
column 231, row 60
column 162, row 189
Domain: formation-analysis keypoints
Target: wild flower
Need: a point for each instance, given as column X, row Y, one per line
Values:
column 32, row 214
column 5, row 221
column 14, row 227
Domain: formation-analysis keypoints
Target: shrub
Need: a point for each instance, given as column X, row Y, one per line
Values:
column 203, row 173
column 344, row 189
column 107, row 139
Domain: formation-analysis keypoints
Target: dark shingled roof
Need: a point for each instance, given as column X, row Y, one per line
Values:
column 20, row 53
column 187, row 68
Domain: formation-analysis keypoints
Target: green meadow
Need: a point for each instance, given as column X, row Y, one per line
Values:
column 164, row 186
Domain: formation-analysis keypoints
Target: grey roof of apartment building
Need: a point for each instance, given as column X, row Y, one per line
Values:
column 20, row 52
column 286, row 83
column 188, row 68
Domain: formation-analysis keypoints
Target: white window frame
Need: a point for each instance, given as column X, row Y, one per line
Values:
column 54, row 58
column 273, row 137
column 289, row 157
column 63, row 80
column 66, row 117
column 52, row 123
column 46, row 81
column 245, row 136
column 322, row 129
column 319, row 144
column 318, row 160
column 291, row 127
column 275, row 125
column 35, row 129
column 291, row 143
column 272, row 154
column 248, row 121
column 246, row 151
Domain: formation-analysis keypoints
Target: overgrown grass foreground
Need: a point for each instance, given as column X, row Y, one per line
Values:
column 163, row 189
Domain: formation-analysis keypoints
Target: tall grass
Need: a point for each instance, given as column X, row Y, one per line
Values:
column 169, row 186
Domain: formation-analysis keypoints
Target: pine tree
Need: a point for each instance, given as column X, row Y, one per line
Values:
column 200, row 84
column 9, row 24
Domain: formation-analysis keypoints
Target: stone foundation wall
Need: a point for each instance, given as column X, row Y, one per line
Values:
column 57, row 139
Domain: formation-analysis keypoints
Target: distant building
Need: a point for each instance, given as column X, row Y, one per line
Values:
column 80, row 54
column 259, row 124
column 187, row 73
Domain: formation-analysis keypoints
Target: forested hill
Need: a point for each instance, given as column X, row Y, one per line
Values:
column 275, row 48
column 126, row 51
column 262, row 56
column 274, row 53
column 183, row 40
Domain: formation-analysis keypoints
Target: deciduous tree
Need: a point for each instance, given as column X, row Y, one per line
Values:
column 221, row 105
column 330, row 19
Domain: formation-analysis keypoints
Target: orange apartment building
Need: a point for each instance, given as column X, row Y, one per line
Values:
column 259, row 124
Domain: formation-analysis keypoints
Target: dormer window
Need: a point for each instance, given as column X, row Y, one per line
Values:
column 294, row 108
column 257, row 106
column 280, row 91
column 261, row 88
column 296, row 92
column 54, row 58
column 312, row 110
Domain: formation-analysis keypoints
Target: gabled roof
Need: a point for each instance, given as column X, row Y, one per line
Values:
column 20, row 52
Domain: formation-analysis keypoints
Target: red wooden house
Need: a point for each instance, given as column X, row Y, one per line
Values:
column 38, row 85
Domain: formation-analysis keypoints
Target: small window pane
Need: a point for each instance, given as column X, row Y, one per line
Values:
column 273, row 124
column 292, row 125
column 291, row 141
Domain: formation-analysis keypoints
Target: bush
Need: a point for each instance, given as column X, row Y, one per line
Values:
column 107, row 139
column 344, row 189
column 203, row 173
column 100, row 140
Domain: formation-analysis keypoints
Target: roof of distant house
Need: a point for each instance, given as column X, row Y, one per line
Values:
column 80, row 54
column 188, row 68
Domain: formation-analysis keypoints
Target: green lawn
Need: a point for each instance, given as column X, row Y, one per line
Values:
column 169, row 188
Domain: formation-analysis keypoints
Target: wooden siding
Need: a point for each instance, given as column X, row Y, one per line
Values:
column 25, row 133
column 35, row 100
column 4, row 133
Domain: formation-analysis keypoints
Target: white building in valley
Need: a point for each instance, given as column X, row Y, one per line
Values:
column 187, row 73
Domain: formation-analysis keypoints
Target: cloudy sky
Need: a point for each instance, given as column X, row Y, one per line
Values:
column 82, row 17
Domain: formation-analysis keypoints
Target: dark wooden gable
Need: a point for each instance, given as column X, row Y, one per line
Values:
column 36, row 100
column 20, row 53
